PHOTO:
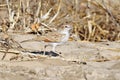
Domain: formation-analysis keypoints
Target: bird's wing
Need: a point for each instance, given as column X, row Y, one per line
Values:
column 53, row 37
column 49, row 37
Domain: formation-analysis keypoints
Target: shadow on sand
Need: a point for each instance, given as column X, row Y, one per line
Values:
column 49, row 53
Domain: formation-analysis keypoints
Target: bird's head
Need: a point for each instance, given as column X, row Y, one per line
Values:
column 67, row 27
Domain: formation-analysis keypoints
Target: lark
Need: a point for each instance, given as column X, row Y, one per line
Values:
column 55, row 38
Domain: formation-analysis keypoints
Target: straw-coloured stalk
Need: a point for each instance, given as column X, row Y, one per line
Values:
column 92, row 20
column 58, row 11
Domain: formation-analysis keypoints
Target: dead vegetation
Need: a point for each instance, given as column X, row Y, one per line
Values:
column 93, row 20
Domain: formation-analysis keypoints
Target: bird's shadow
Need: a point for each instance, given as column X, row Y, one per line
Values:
column 49, row 53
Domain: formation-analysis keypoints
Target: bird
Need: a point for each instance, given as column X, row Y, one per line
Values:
column 54, row 38
column 59, row 37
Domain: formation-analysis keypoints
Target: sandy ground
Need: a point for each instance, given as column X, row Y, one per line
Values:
column 78, row 61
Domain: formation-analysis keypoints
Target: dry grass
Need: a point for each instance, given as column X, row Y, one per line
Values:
column 93, row 20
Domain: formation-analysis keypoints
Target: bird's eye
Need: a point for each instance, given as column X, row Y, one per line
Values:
column 66, row 26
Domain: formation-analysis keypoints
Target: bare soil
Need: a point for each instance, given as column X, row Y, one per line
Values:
column 78, row 61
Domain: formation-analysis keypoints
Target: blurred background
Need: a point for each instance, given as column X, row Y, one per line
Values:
column 92, row 20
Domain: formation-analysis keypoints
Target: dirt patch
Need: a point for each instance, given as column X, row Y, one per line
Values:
column 78, row 60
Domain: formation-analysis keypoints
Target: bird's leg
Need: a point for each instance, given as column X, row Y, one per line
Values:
column 45, row 49
column 53, row 49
